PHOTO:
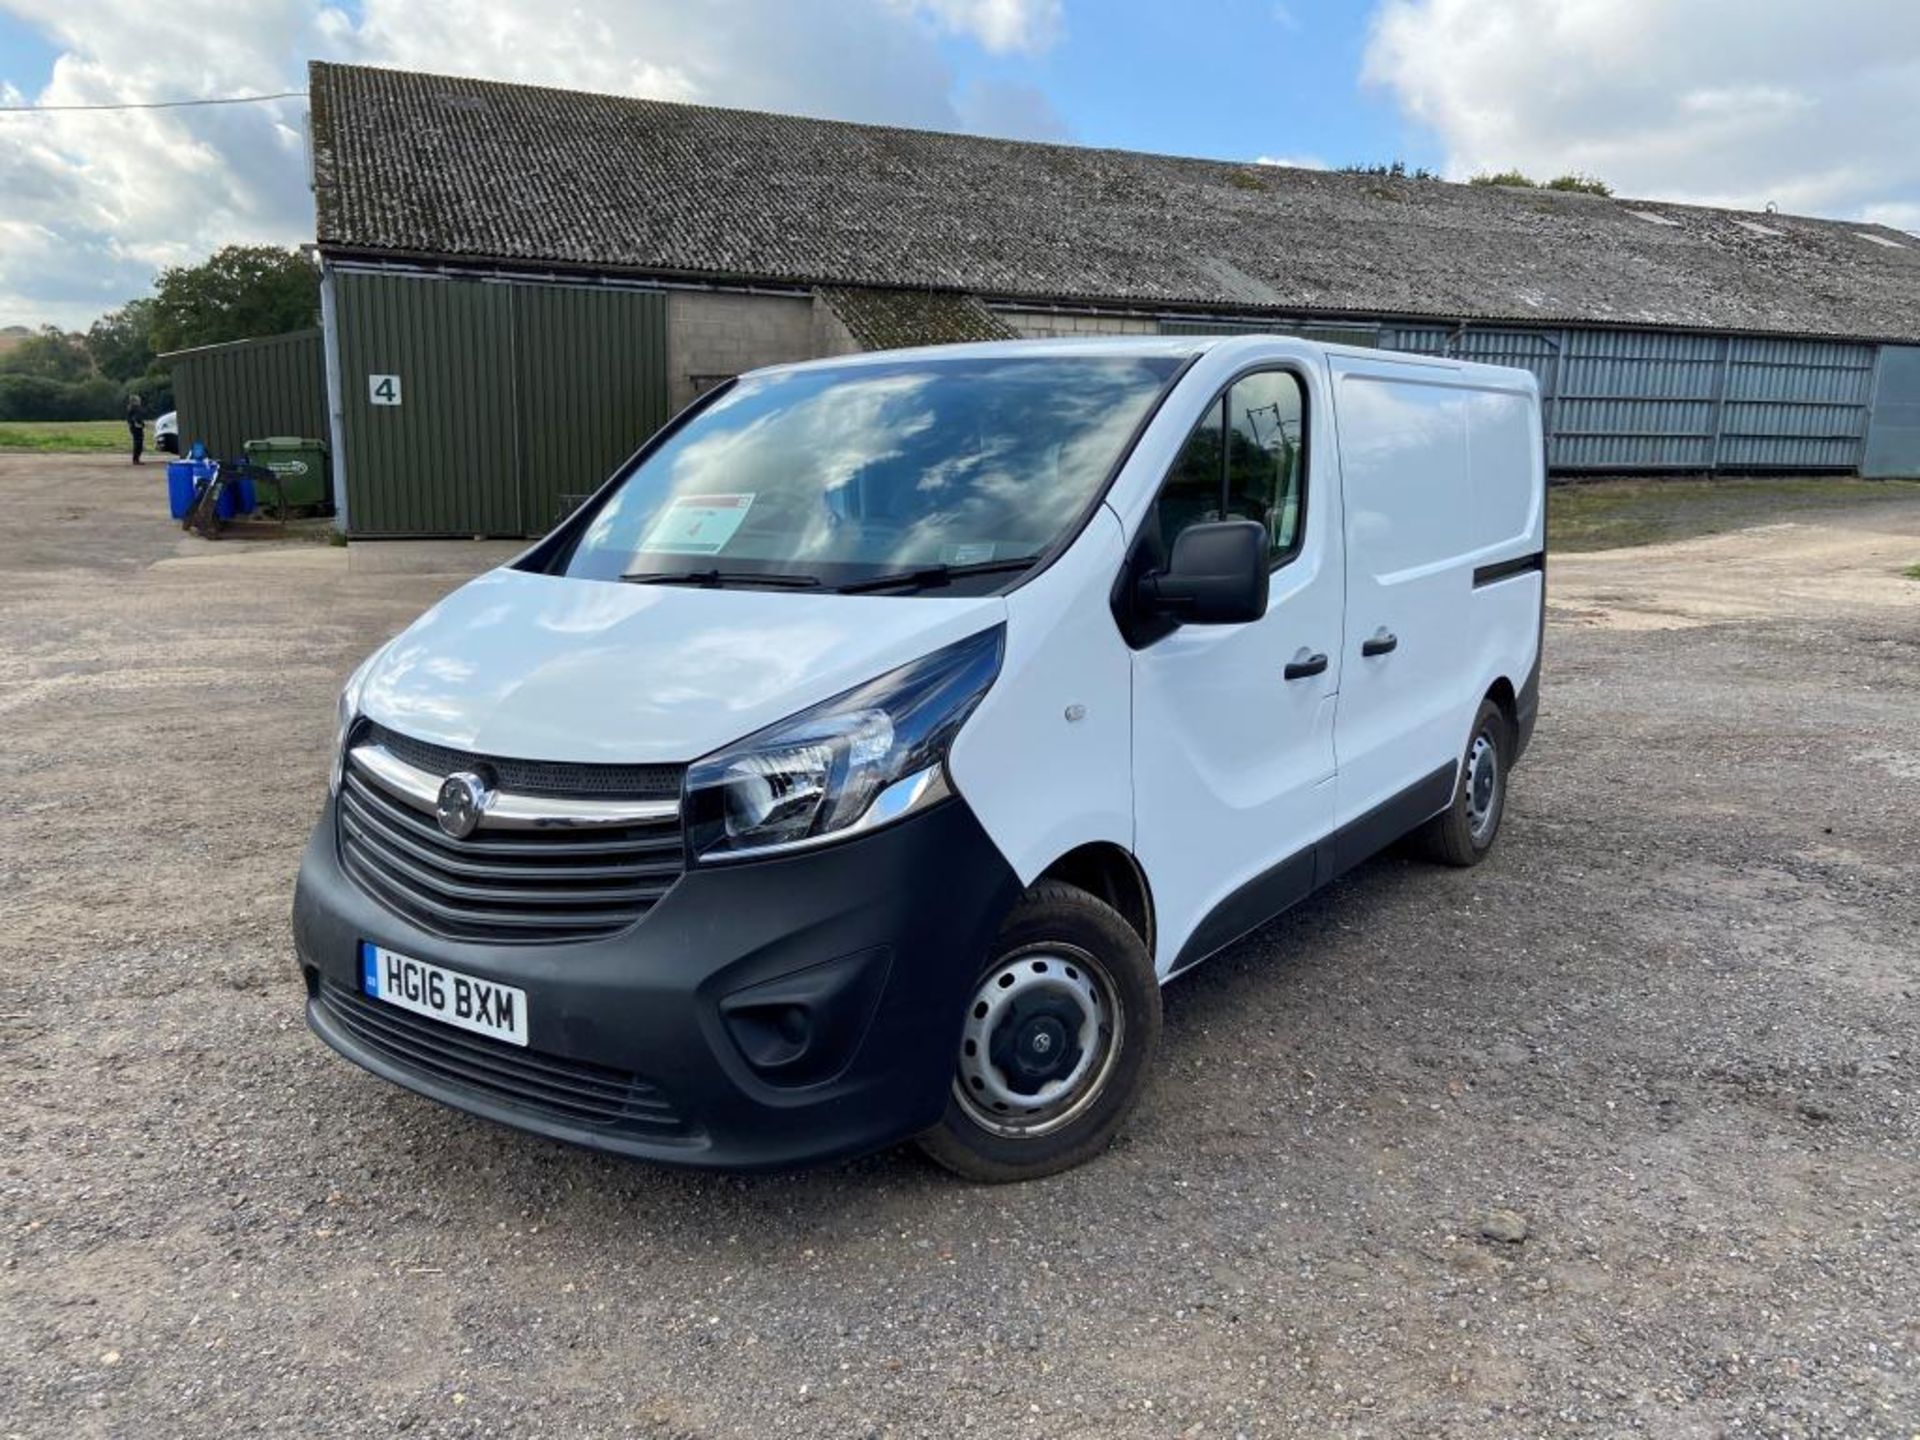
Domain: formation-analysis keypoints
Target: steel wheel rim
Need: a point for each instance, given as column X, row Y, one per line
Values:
column 1066, row 980
column 1483, row 785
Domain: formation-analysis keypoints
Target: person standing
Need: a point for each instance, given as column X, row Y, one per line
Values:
column 137, row 425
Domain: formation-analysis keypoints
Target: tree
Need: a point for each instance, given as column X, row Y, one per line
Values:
column 240, row 292
column 1391, row 170
column 121, row 341
column 35, row 397
column 49, row 355
column 1511, row 178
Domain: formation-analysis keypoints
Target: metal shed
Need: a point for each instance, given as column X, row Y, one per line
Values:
column 226, row 395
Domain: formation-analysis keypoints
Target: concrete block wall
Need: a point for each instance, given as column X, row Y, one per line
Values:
column 712, row 336
column 1047, row 325
column 830, row 333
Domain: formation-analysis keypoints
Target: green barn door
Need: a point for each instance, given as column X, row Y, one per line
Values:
column 591, row 367
column 426, row 374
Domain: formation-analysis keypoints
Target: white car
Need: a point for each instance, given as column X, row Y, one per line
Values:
column 166, row 433
column 858, row 763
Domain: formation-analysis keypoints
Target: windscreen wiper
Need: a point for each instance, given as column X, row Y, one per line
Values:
column 936, row 574
column 716, row 579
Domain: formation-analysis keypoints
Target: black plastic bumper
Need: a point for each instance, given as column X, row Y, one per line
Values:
column 777, row 1012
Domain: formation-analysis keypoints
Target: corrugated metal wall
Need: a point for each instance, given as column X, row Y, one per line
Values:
column 1893, row 436
column 592, row 382
column 513, row 398
column 1622, row 400
column 226, row 395
column 441, row 462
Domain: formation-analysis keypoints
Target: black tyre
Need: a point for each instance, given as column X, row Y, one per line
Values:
column 1464, row 832
column 1059, row 1036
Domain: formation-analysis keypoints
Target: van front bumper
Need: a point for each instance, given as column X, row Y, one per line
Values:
column 764, row 1014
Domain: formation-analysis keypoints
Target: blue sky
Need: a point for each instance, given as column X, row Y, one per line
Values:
column 1741, row 103
column 26, row 59
column 1234, row 80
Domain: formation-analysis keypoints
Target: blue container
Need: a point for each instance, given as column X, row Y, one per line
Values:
column 180, row 476
column 184, row 479
column 245, row 502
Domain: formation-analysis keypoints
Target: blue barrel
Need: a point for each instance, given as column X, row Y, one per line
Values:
column 245, row 502
column 180, row 487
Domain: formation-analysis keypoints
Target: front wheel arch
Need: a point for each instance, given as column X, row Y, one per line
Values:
column 1113, row 875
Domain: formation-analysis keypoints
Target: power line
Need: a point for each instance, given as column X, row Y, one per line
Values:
column 154, row 104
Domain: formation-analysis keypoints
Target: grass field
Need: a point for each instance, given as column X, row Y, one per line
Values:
column 1608, row 514
column 49, row 436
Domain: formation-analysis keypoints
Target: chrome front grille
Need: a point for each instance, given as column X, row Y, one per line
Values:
column 545, row 865
column 532, row 777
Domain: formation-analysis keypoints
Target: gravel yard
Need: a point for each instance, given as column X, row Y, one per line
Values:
column 1618, row 1133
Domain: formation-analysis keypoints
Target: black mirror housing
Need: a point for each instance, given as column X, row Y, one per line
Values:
column 1217, row 575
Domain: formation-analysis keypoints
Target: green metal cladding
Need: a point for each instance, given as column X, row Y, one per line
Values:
column 513, row 399
column 226, row 395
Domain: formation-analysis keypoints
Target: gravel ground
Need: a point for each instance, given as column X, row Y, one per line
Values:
column 1614, row 1134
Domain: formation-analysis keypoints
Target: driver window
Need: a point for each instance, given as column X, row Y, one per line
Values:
column 1242, row 461
column 1191, row 493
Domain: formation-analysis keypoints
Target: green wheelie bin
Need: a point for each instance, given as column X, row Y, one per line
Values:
column 300, row 465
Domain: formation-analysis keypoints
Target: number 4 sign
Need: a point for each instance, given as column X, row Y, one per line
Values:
column 383, row 389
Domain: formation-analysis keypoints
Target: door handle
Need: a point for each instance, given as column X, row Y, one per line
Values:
column 1301, row 669
column 1382, row 643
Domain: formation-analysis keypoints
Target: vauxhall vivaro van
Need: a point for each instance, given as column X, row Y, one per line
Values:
column 860, row 760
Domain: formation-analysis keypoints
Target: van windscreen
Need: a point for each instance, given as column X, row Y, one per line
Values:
column 839, row 474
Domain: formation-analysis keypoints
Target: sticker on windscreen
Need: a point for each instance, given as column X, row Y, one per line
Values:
column 696, row 525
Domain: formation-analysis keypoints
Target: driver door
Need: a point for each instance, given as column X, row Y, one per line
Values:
column 1233, row 757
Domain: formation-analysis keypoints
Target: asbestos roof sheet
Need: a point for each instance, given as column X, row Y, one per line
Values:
column 413, row 166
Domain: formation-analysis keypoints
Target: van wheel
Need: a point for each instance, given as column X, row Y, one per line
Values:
column 1059, row 1035
column 1464, row 832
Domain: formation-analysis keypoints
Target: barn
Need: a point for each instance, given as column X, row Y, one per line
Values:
column 519, row 284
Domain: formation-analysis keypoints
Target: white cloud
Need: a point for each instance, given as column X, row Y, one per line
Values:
column 96, row 203
column 1293, row 162
column 1000, row 25
column 1010, row 110
column 1900, row 214
column 1727, row 102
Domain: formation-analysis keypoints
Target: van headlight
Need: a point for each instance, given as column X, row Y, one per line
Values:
column 346, row 711
column 849, row 765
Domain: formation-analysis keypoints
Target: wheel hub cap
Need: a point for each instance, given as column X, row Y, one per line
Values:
column 1483, row 785
column 1039, row 1040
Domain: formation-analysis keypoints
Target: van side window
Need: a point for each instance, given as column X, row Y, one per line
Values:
column 1191, row 492
column 1242, row 461
column 1263, row 458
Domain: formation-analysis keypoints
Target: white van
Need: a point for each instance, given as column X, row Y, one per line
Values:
column 860, row 760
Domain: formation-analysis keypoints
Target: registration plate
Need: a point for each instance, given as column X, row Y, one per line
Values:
column 496, row 1011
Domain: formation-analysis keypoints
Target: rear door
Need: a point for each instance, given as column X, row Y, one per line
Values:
column 1233, row 760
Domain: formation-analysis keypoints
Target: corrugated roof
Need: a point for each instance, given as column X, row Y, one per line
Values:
column 421, row 166
column 895, row 319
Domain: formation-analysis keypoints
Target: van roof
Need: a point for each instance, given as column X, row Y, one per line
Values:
column 1172, row 346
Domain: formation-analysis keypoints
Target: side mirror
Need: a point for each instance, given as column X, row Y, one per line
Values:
column 1217, row 575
